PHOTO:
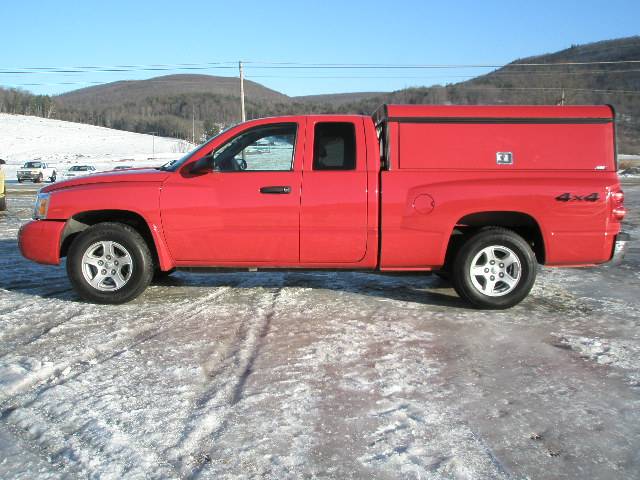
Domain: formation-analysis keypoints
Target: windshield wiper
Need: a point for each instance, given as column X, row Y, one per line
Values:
column 167, row 165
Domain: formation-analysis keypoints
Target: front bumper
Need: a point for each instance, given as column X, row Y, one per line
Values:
column 619, row 249
column 39, row 241
column 27, row 175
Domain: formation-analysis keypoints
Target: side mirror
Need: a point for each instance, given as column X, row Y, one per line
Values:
column 201, row 166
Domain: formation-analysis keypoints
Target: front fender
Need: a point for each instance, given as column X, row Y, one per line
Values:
column 139, row 198
column 40, row 240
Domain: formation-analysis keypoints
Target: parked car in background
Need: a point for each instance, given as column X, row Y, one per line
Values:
column 78, row 171
column 3, row 194
column 37, row 172
column 630, row 172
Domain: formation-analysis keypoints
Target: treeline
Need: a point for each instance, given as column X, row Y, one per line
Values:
column 25, row 103
column 173, row 115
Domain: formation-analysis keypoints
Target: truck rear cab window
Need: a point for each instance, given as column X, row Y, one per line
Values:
column 334, row 146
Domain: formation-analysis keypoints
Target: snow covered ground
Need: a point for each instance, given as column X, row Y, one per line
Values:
column 327, row 375
column 64, row 144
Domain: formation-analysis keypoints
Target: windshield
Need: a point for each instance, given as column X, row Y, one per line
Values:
column 173, row 165
column 33, row 165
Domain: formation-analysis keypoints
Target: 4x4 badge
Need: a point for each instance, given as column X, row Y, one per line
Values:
column 568, row 197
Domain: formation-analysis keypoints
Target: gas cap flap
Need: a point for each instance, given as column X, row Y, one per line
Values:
column 424, row 204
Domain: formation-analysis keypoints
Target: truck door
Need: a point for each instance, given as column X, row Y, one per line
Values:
column 246, row 210
column 333, row 220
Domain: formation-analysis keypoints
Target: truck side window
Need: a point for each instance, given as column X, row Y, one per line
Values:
column 265, row 148
column 334, row 146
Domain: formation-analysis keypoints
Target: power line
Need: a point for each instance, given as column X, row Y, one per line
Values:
column 419, row 65
column 592, row 90
column 102, row 67
column 286, row 65
column 465, row 87
column 500, row 74
column 373, row 77
column 107, row 70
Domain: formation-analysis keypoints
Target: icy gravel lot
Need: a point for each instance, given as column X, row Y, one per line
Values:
column 328, row 375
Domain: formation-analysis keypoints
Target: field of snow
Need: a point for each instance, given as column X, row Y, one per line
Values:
column 318, row 375
column 64, row 144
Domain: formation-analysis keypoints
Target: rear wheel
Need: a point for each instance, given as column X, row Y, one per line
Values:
column 109, row 263
column 495, row 268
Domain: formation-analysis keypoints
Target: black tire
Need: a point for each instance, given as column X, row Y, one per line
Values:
column 500, row 238
column 38, row 179
column 131, row 241
column 19, row 180
column 3, row 204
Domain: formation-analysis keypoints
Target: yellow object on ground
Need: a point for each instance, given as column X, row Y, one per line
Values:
column 3, row 198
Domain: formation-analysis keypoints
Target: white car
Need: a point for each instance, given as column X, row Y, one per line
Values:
column 78, row 171
column 36, row 171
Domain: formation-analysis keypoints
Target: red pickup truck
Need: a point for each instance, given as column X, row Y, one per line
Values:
column 482, row 194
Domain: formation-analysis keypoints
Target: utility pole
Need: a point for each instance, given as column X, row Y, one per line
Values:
column 153, row 144
column 242, row 113
column 193, row 124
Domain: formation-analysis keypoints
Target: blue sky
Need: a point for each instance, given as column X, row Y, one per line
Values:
column 106, row 33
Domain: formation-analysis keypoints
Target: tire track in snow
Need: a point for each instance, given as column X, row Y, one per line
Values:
column 23, row 396
column 400, row 408
column 18, row 339
column 84, row 359
column 215, row 404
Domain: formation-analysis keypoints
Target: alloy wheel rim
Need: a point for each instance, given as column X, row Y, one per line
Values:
column 495, row 271
column 107, row 266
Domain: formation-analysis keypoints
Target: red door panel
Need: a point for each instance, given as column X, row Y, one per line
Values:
column 333, row 220
column 238, row 215
column 223, row 217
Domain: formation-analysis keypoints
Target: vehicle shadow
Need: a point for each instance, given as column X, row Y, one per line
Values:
column 23, row 276
column 17, row 274
column 423, row 289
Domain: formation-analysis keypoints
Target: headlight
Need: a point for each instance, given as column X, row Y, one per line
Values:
column 42, row 206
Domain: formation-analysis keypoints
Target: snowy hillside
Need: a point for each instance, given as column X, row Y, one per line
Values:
column 63, row 144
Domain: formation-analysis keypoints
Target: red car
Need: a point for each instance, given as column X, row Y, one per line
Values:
column 483, row 194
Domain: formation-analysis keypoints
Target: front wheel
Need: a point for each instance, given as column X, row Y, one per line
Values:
column 495, row 269
column 109, row 263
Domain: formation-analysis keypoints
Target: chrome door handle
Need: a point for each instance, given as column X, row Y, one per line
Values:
column 276, row 189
